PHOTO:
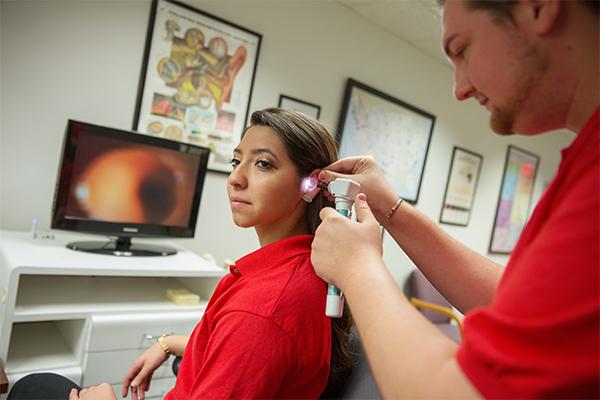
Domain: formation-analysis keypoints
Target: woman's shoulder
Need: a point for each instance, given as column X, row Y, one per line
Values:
column 304, row 291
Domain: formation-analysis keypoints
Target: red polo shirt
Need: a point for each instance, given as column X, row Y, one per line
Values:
column 540, row 336
column 264, row 333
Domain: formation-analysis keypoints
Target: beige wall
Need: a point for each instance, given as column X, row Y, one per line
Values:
column 82, row 60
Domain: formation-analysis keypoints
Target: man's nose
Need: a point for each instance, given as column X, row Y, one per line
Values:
column 463, row 89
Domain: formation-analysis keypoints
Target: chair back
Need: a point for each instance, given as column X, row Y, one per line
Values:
column 361, row 383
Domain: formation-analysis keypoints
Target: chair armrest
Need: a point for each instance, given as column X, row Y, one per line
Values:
column 437, row 308
column 175, row 365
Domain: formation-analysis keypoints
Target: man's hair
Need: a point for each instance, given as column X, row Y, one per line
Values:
column 309, row 145
column 501, row 10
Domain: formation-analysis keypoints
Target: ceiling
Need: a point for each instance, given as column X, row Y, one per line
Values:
column 416, row 22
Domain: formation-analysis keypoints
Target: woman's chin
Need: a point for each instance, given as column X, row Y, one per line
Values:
column 242, row 224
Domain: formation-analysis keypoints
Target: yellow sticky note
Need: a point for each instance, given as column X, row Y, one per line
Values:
column 183, row 297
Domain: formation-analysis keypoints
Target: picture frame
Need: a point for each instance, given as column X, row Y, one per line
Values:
column 197, row 78
column 514, row 200
column 395, row 133
column 461, row 186
column 292, row 103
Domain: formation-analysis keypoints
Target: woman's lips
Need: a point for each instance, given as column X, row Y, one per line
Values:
column 238, row 202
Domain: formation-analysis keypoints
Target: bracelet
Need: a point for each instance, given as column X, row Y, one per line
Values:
column 163, row 345
column 394, row 208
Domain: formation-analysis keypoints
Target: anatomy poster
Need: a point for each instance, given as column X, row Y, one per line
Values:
column 197, row 79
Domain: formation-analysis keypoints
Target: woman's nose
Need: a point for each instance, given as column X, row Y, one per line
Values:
column 237, row 178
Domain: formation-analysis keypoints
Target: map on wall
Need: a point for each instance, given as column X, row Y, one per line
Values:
column 397, row 135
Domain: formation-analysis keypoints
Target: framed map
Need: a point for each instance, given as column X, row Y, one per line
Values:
column 395, row 133
column 512, row 211
column 196, row 80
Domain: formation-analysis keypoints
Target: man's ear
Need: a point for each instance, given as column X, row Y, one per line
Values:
column 544, row 15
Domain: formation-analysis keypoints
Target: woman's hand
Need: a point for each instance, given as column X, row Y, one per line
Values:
column 342, row 248
column 101, row 392
column 140, row 374
column 364, row 170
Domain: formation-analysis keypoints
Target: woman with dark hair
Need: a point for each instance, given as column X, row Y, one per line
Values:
column 264, row 333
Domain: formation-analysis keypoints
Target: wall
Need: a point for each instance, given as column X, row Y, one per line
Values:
column 82, row 60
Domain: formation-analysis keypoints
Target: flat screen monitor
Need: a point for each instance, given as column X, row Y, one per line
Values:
column 123, row 184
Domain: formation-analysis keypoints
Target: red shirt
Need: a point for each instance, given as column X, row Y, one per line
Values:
column 264, row 333
column 540, row 336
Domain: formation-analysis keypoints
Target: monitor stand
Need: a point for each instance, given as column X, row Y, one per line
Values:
column 122, row 247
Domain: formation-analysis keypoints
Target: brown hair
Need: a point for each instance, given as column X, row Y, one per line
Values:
column 310, row 146
column 501, row 10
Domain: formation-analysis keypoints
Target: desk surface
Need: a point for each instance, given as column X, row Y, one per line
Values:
column 21, row 250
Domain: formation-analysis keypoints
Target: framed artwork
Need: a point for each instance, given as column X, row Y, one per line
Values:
column 520, row 169
column 310, row 109
column 461, row 187
column 196, row 80
column 395, row 133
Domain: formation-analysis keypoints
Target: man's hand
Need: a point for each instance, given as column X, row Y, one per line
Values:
column 364, row 170
column 101, row 392
column 343, row 248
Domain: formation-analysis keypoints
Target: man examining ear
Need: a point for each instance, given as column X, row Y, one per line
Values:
column 532, row 329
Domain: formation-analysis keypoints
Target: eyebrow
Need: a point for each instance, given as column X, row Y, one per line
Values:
column 447, row 44
column 258, row 151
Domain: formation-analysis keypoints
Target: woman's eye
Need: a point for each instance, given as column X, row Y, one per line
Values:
column 263, row 164
column 234, row 163
column 460, row 53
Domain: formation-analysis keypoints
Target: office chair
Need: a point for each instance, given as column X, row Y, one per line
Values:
column 433, row 305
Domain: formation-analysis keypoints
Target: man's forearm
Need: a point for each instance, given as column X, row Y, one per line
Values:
column 466, row 278
column 409, row 357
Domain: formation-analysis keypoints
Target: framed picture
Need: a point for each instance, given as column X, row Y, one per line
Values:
column 520, row 169
column 305, row 107
column 395, row 133
column 461, row 187
column 196, row 80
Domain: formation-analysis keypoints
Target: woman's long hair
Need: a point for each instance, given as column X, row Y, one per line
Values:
column 310, row 146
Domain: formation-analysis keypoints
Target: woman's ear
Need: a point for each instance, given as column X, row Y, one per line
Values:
column 309, row 196
column 310, row 186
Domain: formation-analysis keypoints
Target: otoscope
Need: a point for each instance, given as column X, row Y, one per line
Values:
column 343, row 191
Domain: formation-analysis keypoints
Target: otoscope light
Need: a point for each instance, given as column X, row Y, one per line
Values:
column 309, row 184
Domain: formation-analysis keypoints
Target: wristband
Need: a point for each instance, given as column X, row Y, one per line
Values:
column 163, row 345
column 394, row 208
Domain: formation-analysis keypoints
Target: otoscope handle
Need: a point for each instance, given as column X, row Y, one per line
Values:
column 334, row 307
column 344, row 191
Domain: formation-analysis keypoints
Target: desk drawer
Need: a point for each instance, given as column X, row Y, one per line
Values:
column 138, row 331
column 111, row 367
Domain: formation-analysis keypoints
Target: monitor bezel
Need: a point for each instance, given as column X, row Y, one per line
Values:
column 122, row 229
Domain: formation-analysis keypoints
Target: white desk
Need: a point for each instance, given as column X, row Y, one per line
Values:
column 88, row 316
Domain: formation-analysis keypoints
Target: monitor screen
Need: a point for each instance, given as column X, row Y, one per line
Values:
column 125, row 184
